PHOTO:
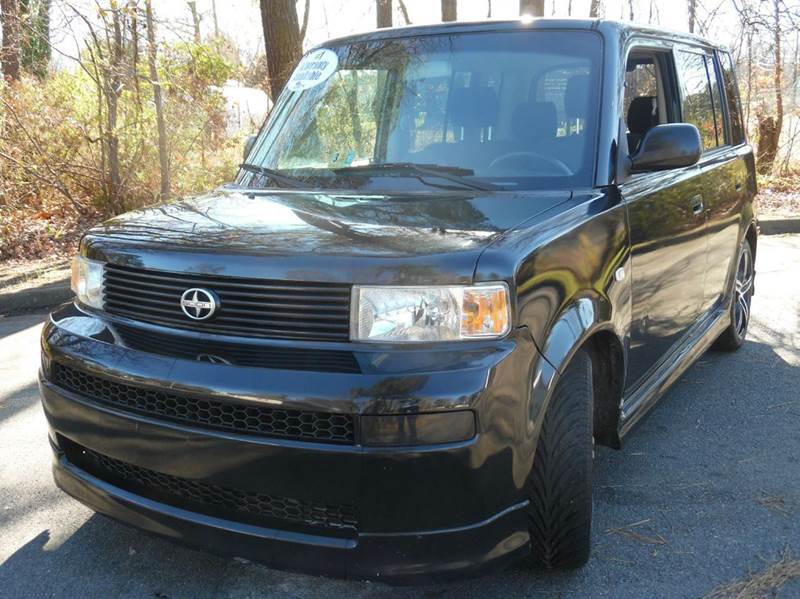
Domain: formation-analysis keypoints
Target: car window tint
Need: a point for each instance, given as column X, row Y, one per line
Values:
column 732, row 96
column 698, row 104
column 348, row 110
column 641, row 80
column 551, row 88
column 716, row 96
column 516, row 109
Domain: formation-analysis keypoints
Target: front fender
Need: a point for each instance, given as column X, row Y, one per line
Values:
column 572, row 277
column 576, row 324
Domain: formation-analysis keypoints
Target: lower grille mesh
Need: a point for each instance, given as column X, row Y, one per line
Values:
column 208, row 498
column 250, row 419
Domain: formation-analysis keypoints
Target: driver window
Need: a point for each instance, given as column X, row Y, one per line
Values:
column 643, row 103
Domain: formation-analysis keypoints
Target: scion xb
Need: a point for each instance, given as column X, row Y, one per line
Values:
column 454, row 259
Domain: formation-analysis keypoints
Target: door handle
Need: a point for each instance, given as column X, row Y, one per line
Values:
column 697, row 205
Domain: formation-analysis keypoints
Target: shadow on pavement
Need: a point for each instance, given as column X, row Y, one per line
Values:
column 11, row 325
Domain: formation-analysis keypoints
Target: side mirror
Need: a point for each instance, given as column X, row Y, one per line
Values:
column 664, row 147
column 248, row 145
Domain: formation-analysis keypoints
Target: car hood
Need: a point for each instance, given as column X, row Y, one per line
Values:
column 419, row 238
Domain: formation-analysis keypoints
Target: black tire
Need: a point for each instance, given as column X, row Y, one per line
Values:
column 559, row 486
column 733, row 337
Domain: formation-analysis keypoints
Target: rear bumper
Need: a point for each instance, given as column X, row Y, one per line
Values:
column 423, row 512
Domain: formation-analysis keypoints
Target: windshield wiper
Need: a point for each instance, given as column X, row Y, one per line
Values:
column 276, row 176
column 454, row 174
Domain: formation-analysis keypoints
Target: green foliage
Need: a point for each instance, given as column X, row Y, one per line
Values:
column 53, row 144
column 194, row 67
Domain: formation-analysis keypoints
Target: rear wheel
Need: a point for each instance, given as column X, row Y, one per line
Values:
column 559, row 486
column 733, row 337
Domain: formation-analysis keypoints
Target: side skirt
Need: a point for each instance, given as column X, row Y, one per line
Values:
column 641, row 400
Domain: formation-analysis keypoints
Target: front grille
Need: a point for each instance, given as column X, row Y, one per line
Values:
column 240, row 354
column 248, row 419
column 209, row 499
column 248, row 307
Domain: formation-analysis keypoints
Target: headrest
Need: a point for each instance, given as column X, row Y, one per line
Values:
column 473, row 107
column 534, row 120
column 576, row 96
column 642, row 114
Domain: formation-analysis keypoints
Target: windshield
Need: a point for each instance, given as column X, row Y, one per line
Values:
column 513, row 110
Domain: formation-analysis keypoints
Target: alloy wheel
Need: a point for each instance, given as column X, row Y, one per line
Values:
column 742, row 290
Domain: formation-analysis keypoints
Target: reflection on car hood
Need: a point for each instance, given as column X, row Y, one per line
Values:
column 291, row 224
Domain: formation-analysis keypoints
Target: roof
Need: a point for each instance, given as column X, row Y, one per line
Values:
column 607, row 27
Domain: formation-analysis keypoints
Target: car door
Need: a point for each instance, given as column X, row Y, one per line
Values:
column 667, row 224
column 727, row 171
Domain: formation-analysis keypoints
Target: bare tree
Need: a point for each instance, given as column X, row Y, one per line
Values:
column 195, row 20
column 34, row 40
column 9, row 54
column 796, row 68
column 282, row 40
column 489, row 9
column 214, row 17
column 769, row 126
column 304, row 26
column 404, row 12
column 449, row 10
column 534, row 8
column 163, row 153
column 630, row 10
column 594, row 8
column 116, row 53
column 383, row 11
column 692, row 6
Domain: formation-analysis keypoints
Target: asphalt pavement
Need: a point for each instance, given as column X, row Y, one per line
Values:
column 706, row 491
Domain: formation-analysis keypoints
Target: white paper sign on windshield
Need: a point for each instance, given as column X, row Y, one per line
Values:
column 314, row 69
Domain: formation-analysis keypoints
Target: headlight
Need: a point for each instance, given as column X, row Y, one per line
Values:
column 87, row 281
column 410, row 314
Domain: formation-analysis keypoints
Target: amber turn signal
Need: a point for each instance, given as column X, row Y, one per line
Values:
column 485, row 311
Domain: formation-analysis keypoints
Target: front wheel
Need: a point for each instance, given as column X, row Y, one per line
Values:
column 559, row 486
column 732, row 338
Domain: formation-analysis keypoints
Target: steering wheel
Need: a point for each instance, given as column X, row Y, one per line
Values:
column 533, row 156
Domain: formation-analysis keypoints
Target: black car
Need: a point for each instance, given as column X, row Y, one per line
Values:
column 455, row 257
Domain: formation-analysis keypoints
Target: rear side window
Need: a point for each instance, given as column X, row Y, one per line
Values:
column 732, row 96
column 698, row 98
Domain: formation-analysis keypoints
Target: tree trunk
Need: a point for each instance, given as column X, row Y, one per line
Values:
column 304, row 26
column 534, row 8
column 34, row 36
column 404, row 12
column 281, row 40
column 383, row 10
column 630, row 10
column 749, row 77
column 214, row 17
column 795, row 67
column 769, row 127
column 594, row 9
column 163, row 155
column 449, row 10
column 195, row 20
column 9, row 53
column 114, row 89
column 692, row 6
column 489, row 9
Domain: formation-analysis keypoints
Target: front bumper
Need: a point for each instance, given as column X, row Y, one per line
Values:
column 420, row 512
